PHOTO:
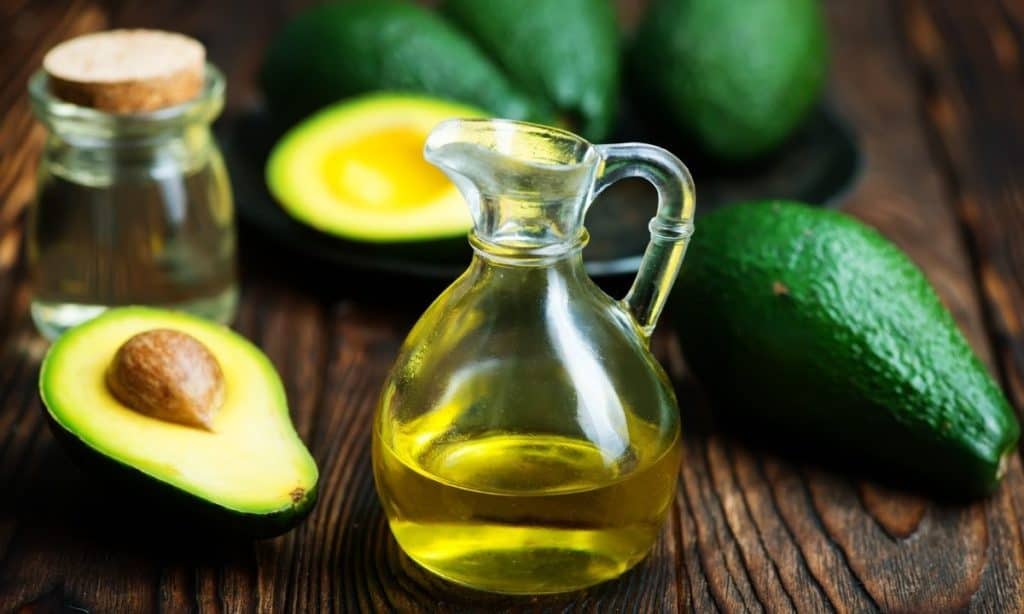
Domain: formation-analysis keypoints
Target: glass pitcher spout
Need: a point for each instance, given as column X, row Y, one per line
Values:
column 527, row 186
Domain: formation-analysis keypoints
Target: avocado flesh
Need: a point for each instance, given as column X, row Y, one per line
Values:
column 334, row 51
column 736, row 77
column 564, row 51
column 810, row 326
column 356, row 170
column 251, row 473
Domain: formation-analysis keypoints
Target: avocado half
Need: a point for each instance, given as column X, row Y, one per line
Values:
column 250, row 475
column 356, row 170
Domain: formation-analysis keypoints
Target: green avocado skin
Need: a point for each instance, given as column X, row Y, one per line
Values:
column 811, row 328
column 565, row 51
column 183, row 508
column 333, row 51
column 735, row 77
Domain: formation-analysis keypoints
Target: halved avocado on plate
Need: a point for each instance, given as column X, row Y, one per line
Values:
column 249, row 474
column 356, row 170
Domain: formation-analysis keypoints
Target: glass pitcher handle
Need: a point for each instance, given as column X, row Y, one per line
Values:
column 670, row 228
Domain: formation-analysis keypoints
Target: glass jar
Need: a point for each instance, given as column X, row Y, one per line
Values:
column 130, row 210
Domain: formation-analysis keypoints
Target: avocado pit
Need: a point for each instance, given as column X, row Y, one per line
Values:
column 168, row 375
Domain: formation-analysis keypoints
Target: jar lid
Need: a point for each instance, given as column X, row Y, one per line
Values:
column 126, row 71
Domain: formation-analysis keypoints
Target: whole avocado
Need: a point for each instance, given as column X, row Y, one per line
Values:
column 735, row 76
column 808, row 325
column 565, row 51
column 333, row 51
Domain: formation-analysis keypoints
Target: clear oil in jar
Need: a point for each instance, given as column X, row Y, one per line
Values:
column 166, row 242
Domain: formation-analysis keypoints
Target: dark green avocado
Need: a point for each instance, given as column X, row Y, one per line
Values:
column 810, row 328
column 333, row 51
column 735, row 77
column 563, row 51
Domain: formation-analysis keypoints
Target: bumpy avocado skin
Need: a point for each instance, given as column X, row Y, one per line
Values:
column 337, row 50
column 813, row 328
column 736, row 77
column 566, row 51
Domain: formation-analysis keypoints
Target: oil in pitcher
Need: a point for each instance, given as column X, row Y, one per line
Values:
column 526, row 440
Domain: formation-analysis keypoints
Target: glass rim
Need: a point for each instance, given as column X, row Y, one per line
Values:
column 499, row 133
column 49, row 108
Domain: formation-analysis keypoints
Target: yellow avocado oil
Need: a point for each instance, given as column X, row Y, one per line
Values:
column 525, row 513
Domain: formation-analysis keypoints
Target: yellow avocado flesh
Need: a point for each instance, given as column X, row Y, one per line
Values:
column 252, row 461
column 364, row 172
column 356, row 170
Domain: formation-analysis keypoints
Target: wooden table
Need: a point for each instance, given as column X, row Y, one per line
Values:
column 936, row 89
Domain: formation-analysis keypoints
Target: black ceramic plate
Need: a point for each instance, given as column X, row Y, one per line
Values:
column 819, row 165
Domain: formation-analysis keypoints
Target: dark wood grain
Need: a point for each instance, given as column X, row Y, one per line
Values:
column 935, row 91
column 969, row 66
column 905, row 194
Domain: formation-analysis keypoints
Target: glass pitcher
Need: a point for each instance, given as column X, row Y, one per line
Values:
column 526, row 440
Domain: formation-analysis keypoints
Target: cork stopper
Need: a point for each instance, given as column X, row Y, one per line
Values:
column 126, row 71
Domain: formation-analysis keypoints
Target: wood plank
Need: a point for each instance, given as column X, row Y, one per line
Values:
column 749, row 530
column 969, row 63
column 968, row 58
column 33, row 31
column 910, row 203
